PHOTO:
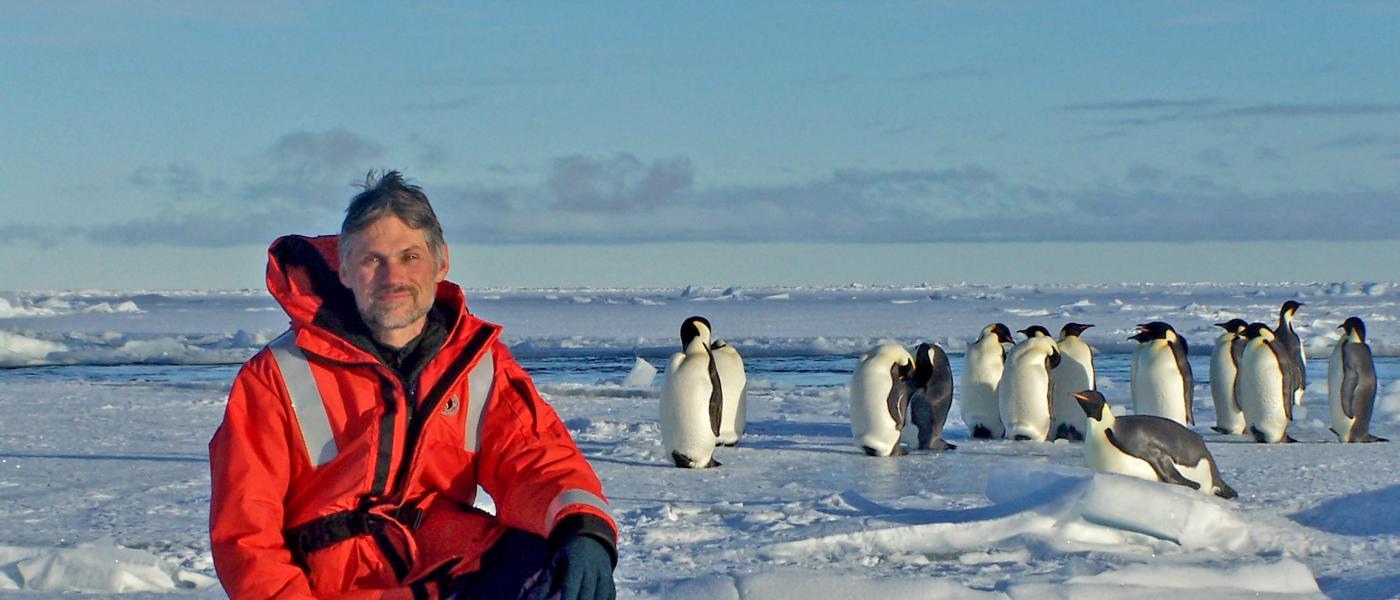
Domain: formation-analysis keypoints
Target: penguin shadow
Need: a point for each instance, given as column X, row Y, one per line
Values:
column 1383, row 587
column 1339, row 515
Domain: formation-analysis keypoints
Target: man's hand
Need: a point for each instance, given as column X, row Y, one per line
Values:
column 581, row 569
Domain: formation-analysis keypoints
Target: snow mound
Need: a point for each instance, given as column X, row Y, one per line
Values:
column 641, row 375
column 1067, row 509
column 100, row 567
column 17, row 350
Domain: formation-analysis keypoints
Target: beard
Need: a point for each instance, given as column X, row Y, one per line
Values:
column 387, row 316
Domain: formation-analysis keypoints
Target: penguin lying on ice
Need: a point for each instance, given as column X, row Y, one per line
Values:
column 1148, row 447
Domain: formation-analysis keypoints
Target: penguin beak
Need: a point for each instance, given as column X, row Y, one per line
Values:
column 1088, row 405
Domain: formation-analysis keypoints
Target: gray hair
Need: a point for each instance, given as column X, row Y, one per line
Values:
column 387, row 194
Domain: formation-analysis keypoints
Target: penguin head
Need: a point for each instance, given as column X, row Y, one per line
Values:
column 1073, row 329
column 1233, row 325
column 1355, row 326
column 695, row 327
column 1034, row 331
column 1258, row 330
column 1000, row 330
column 1157, row 330
column 923, row 363
column 1286, row 311
column 1092, row 402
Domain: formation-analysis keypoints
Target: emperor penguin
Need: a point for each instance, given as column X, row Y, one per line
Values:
column 930, row 396
column 1025, row 394
column 1224, row 364
column 879, row 392
column 982, row 367
column 1160, row 379
column 734, row 387
column 1148, row 447
column 1298, row 357
column 1264, row 386
column 691, row 400
column 1075, row 372
column 1351, row 384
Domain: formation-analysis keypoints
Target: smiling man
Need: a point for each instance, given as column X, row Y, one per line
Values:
column 353, row 445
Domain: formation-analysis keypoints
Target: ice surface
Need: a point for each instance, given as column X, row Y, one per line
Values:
column 104, row 481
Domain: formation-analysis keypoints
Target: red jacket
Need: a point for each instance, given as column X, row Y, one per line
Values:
column 323, row 483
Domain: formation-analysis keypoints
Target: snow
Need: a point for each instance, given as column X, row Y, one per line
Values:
column 104, row 483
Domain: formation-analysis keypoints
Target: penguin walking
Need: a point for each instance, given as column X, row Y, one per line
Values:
column 1351, row 384
column 1289, row 338
column 691, row 400
column 1224, row 364
column 1025, row 394
column 982, row 367
column 879, row 393
column 1160, row 379
column 1265, row 385
column 734, row 390
column 1075, row 372
column 931, row 396
column 1148, row 447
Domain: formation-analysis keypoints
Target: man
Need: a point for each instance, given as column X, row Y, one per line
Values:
column 352, row 446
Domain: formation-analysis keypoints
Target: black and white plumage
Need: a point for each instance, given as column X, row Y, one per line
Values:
column 1265, row 385
column 1351, row 384
column 879, row 394
column 692, row 400
column 931, row 396
column 982, row 367
column 1224, row 366
column 1288, row 338
column 1025, row 394
column 1075, row 372
column 734, row 388
column 1160, row 378
column 1148, row 447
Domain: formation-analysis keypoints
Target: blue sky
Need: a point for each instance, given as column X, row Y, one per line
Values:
column 164, row 144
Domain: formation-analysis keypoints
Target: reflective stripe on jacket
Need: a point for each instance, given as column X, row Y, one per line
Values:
column 316, row 426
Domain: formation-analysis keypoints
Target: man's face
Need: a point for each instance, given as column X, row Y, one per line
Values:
column 393, row 276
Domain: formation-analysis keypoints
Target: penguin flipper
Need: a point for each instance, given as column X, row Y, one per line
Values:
column 1155, row 457
column 716, row 395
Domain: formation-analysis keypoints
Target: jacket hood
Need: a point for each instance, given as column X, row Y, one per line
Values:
column 303, row 276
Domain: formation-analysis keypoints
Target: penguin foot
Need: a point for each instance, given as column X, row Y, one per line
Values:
column 686, row 462
column 1021, row 437
column 1067, row 432
column 1371, row 439
column 713, row 463
column 1224, row 430
column 939, row 445
column 981, row 432
column 870, row 451
column 1287, row 439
